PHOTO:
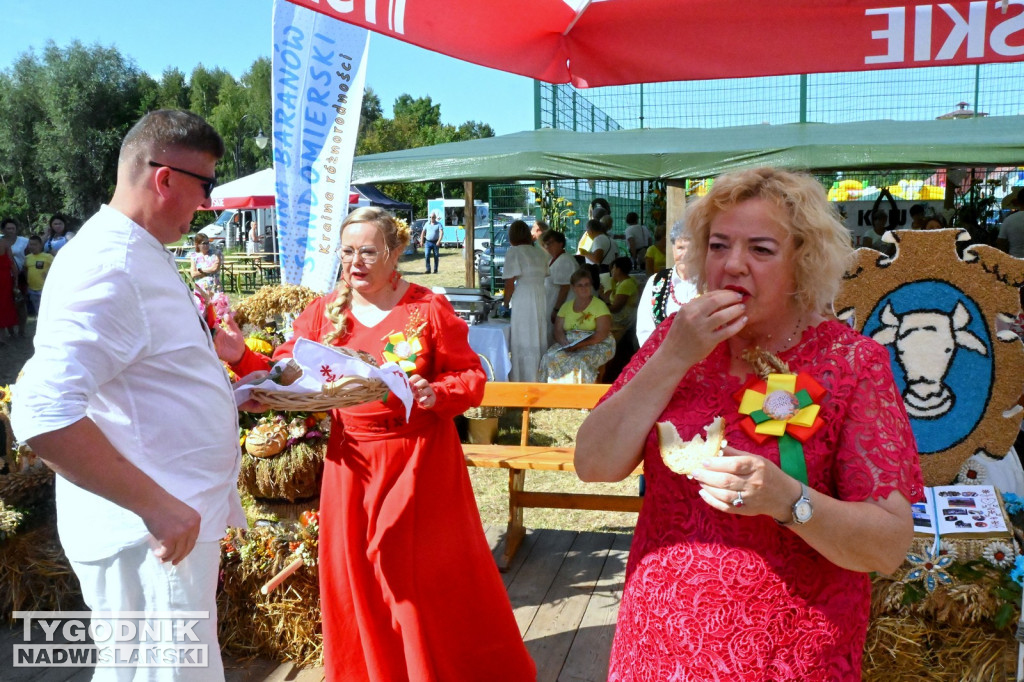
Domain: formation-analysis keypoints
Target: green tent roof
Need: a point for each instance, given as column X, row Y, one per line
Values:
column 677, row 153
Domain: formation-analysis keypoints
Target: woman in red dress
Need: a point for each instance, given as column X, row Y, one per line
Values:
column 754, row 569
column 408, row 587
column 8, row 282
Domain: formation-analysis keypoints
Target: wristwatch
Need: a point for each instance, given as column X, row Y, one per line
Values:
column 803, row 510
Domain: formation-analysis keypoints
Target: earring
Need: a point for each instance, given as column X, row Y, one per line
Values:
column 394, row 279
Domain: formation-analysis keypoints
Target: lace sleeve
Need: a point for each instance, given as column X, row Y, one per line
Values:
column 877, row 453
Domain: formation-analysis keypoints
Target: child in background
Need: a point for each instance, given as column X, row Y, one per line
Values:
column 37, row 264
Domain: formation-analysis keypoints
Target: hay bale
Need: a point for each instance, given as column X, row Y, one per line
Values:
column 292, row 475
column 284, row 625
column 34, row 573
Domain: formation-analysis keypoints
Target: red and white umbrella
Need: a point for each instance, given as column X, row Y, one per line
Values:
column 594, row 43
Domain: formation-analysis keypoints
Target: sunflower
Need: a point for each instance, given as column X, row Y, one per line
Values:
column 5, row 394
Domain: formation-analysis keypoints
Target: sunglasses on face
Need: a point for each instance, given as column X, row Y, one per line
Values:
column 208, row 183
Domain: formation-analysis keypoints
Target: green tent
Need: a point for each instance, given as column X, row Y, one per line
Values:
column 678, row 153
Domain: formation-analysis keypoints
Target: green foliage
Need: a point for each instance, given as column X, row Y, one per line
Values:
column 556, row 210
column 416, row 123
column 64, row 112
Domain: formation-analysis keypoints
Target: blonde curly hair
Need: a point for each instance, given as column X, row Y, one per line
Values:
column 822, row 248
column 396, row 237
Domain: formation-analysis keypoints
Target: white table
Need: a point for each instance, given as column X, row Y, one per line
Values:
column 492, row 340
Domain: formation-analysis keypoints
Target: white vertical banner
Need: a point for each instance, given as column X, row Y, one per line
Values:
column 319, row 69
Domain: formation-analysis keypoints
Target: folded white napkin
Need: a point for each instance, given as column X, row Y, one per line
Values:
column 321, row 364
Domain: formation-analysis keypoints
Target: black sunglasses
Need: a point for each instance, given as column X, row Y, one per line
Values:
column 208, row 183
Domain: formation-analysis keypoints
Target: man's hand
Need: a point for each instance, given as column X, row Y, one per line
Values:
column 174, row 527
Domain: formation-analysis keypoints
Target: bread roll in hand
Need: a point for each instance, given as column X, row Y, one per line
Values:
column 686, row 457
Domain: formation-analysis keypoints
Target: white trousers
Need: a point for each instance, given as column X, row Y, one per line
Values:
column 134, row 580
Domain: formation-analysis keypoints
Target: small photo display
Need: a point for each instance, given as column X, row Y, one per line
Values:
column 962, row 502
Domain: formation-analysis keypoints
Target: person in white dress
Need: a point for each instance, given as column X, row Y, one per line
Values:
column 556, row 285
column 525, row 269
column 667, row 290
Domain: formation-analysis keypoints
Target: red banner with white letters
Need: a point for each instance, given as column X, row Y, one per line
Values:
column 614, row 42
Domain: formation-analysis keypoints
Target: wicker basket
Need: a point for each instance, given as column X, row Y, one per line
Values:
column 345, row 392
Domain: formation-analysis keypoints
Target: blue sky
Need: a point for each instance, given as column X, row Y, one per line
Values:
column 231, row 34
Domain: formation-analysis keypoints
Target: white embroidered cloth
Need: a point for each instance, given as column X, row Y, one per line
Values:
column 321, row 364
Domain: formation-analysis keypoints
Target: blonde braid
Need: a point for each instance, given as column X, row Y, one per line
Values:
column 337, row 313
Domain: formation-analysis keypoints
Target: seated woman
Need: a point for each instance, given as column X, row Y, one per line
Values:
column 583, row 340
column 755, row 565
column 206, row 264
column 622, row 296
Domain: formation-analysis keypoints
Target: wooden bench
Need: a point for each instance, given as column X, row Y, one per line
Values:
column 519, row 459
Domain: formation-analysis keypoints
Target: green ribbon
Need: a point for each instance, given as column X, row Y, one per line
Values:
column 791, row 457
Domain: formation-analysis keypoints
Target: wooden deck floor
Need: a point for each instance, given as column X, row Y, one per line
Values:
column 564, row 587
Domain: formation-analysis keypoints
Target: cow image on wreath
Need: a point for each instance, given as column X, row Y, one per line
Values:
column 926, row 342
column 959, row 374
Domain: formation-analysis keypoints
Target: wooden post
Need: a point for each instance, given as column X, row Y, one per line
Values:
column 467, row 241
column 675, row 209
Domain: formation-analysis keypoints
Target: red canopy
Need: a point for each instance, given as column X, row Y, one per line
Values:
column 615, row 42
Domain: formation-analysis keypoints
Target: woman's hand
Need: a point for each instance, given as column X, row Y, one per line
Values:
column 422, row 392
column 703, row 323
column 229, row 342
column 742, row 483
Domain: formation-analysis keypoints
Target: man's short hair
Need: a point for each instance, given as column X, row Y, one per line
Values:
column 552, row 236
column 542, row 225
column 632, row 218
column 917, row 210
column 165, row 129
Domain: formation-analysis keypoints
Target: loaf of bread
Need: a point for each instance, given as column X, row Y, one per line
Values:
column 685, row 457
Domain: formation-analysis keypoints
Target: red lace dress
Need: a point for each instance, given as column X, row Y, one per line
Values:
column 714, row 596
column 408, row 587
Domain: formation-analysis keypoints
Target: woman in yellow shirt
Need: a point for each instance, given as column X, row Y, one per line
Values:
column 583, row 340
column 656, row 252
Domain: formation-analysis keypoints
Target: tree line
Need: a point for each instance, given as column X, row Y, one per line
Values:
column 65, row 110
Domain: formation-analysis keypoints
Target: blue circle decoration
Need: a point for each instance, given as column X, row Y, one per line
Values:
column 970, row 376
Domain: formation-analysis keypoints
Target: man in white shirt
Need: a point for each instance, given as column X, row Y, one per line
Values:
column 126, row 400
column 1011, row 231
column 638, row 237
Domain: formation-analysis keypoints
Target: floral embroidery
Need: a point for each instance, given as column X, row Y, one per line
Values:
column 328, row 374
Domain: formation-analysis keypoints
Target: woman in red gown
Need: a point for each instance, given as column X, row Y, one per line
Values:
column 408, row 587
column 755, row 569
column 8, row 282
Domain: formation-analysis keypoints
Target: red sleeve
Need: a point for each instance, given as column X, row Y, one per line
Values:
column 877, row 452
column 458, row 379
column 307, row 325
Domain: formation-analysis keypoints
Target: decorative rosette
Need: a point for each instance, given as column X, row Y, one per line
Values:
column 783, row 406
column 1000, row 554
column 973, row 472
column 930, row 568
column 403, row 351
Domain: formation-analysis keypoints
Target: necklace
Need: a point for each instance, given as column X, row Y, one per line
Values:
column 672, row 292
column 789, row 339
